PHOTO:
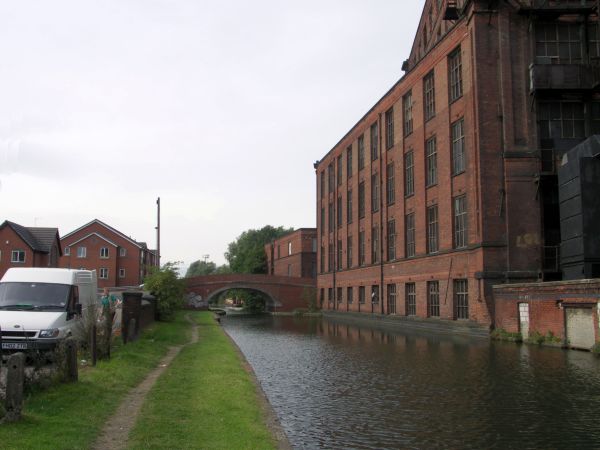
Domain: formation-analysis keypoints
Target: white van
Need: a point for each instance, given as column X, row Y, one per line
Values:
column 39, row 307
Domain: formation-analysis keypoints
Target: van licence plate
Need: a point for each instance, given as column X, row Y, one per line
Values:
column 14, row 345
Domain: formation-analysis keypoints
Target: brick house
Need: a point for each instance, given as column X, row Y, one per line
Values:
column 293, row 255
column 447, row 186
column 118, row 259
column 28, row 246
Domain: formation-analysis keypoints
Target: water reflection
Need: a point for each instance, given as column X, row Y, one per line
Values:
column 342, row 386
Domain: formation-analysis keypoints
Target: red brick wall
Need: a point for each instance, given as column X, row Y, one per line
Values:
column 546, row 304
column 301, row 260
column 130, row 262
column 9, row 241
column 504, row 224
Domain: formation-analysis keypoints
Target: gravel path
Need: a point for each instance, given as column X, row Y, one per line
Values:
column 116, row 430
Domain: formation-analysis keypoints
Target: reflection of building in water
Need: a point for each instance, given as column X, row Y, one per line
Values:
column 448, row 184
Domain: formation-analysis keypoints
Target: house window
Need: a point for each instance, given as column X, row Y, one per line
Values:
column 349, row 162
column 339, row 295
column 17, row 256
column 391, row 298
column 330, row 258
column 331, row 177
column 122, row 251
column 103, row 273
column 431, row 161
column 391, row 240
column 330, row 295
column 361, row 152
column 81, row 252
column 375, row 293
column 314, row 245
column 389, row 128
column 349, row 206
column 461, row 299
column 411, row 299
column 432, row 229
column 460, row 221
column 409, row 174
column 349, row 295
column 340, row 258
column 322, row 259
column 408, row 117
column 558, row 42
column 322, row 219
column 409, row 228
column 361, row 199
column 361, row 294
column 340, row 211
column 429, row 95
column 339, row 171
column 121, row 273
column 595, row 117
column 593, row 41
column 455, row 74
column 104, row 252
column 322, row 184
column 331, row 218
column 458, row 147
column 361, row 248
column 349, row 252
column 374, row 142
column 433, row 299
column 289, row 248
column 561, row 120
column 374, row 193
column 390, row 184
column 375, row 244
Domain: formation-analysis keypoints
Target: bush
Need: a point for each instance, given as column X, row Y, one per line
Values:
column 501, row 334
column 167, row 287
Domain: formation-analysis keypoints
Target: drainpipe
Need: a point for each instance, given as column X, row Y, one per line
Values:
column 380, row 214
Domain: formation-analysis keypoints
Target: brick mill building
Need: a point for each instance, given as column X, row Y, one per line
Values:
column 22, row 246
column 447, row 185
column 118, row 259
column 293, row 255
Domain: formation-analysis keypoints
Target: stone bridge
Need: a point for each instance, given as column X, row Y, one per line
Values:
column 283, row 294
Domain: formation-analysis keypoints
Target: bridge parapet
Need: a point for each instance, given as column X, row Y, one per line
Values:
column 283, row 293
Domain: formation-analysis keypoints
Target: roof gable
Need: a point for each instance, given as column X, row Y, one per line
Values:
column 39, row 239
column 107, row 227
column 94, row 234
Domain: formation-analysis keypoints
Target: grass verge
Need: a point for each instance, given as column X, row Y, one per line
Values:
column 70, row 416
column 205, row 399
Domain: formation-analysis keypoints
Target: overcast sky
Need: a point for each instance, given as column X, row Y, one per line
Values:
column 220, row 108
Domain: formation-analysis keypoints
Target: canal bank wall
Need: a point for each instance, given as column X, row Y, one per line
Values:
column 393, row 322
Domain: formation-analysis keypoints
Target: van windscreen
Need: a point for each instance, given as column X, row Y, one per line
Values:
column 35, row 296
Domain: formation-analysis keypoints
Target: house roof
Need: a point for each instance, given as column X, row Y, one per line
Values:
column 94, row 234
column 108, row 227
column 40, row 239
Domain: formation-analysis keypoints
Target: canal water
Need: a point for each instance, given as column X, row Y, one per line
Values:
column 340, row 386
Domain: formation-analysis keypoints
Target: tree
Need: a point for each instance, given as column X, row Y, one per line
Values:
column 167, row 287
column 198, row 268
column 247, row 253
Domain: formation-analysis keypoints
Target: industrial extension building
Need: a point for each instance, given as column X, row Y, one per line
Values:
column 448, row 185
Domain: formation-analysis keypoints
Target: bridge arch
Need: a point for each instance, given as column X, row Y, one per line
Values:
column 269, row 299
column 282, row 293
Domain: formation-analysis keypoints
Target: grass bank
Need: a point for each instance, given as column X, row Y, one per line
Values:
column 70, row 416
column 205, row 399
